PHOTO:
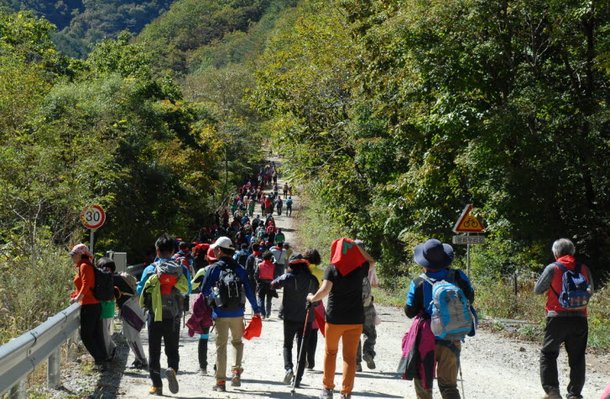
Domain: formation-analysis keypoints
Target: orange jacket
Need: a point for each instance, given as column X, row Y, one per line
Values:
column 84, row 282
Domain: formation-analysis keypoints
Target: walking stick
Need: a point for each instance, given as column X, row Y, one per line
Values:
column 302, row 350
column 461, row 379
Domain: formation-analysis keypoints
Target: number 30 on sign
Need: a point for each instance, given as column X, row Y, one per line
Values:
column 93, row 217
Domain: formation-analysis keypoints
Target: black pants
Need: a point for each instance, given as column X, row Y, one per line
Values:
column 573, row 332
column 292, row 329
column 264, row 297
column 169, row 331
column 91, row 332
column 311, row 348
column 203, row 348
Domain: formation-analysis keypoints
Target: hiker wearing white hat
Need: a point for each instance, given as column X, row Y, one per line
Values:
column 227, row 286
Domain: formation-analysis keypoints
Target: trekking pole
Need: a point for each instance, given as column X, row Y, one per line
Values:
column 301, row 347
column 461, row 379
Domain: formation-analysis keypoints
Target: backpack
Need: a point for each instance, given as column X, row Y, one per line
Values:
column 172, row 301
column 103, row 289
column 242, row 257
column 451, row 316
column 130, row 281
column 575, row 290
column 230, row 293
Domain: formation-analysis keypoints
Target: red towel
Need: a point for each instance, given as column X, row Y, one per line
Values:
column 254, row 328
column 320, row 317
column 345, row 255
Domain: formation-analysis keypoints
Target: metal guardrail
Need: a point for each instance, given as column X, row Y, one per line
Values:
column 21, row 355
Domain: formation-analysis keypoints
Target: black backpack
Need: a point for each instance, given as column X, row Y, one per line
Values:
column 231, row 293
column 242, row 258
column 103, row 289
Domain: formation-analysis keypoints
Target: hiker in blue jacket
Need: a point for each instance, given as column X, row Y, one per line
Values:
column 436, row 257
column 229, row 310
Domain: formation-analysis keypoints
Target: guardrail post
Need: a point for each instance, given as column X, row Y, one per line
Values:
column 18, row 391
column 53, row 367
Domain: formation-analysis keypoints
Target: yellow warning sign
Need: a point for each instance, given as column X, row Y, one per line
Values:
column 468, row 223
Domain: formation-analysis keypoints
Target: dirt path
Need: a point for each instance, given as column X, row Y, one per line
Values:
column 493, row 367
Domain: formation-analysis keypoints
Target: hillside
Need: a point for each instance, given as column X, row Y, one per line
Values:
column 83, row 23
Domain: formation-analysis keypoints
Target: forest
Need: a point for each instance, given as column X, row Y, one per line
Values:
column 390, row 115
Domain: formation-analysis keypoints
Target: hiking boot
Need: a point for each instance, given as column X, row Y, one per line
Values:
column 288, row 377
column 139, row 365
column 326, row 394
column 370, row 362
column 358, row 367
column 172, row 382
column 158, row 391
column 236, row 380
column 220, row 387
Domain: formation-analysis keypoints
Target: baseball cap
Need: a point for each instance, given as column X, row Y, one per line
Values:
column 223, row 242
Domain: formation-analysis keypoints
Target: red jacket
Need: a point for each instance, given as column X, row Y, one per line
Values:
column 552, row 300
column 266, row 270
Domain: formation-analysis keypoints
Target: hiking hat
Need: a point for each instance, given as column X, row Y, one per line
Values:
column 433, row 254
column 223, row 242
column 81, row 249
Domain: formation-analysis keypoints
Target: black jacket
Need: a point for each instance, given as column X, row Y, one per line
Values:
column 296, row 284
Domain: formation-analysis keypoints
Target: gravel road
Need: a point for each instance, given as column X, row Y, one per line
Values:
column 493, row 366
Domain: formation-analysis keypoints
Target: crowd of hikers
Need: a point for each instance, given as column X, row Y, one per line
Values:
column 244, row 258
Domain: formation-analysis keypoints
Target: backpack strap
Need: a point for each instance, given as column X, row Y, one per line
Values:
column 429, row 280
column 563, row 269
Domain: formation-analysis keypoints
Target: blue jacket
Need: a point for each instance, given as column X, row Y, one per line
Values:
column 212, row 277
column 419, row 296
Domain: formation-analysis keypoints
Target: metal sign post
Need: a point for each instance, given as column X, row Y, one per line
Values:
column 467, row 224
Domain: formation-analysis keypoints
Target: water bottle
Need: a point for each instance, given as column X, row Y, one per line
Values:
column 216, row 295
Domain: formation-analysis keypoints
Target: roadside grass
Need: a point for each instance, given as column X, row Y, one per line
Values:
column 33, row 287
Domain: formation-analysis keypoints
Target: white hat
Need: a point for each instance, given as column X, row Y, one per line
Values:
column 223, row 242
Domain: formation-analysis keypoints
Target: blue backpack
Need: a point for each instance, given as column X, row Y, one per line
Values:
column 452, row 318
column 575, row 289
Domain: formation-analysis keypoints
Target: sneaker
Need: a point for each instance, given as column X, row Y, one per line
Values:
column 203, row 371
column 574, row 396
column 326, row 394
column 236, row 380
column 288, row 377
column 358, row 367
column 172, row 382
column 346, row 396
column 370, row 362
column 158, row 391
column 220, row 387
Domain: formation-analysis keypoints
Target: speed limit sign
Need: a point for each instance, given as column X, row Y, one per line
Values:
column 93, row 217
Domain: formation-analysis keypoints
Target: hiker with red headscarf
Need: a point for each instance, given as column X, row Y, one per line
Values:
column 91, row 310
column 344, row 311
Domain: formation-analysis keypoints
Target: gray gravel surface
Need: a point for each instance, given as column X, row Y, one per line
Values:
column 493, row 366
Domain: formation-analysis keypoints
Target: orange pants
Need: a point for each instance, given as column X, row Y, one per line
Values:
column 351, row 337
